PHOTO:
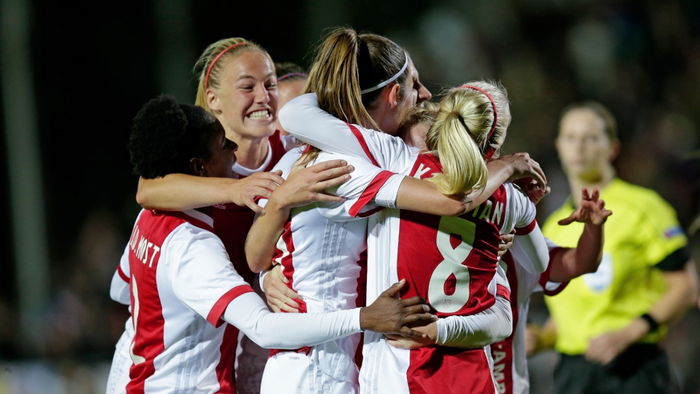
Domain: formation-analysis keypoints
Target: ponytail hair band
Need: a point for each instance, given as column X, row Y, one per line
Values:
column 495, row 113
column 206, row 79
column 290, row 75
column 388, row 81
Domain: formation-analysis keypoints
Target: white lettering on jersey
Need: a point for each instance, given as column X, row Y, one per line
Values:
column 488, row 213
column 499, row 366
column 421, row 171
column 141, row 246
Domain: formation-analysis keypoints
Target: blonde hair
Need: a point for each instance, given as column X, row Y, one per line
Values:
column 464, row 132
column 346, row 63
column 227, row 50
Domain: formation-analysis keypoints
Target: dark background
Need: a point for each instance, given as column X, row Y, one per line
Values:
column 94, row 64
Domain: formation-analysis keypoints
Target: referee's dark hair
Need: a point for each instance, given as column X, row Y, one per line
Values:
column 165, row 135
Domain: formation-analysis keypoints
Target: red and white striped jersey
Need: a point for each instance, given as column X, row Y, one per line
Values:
column 232, row 222
column 183, row 287
column 449, row 261
column 325, row 264
column 509, row 355
column 181, row 283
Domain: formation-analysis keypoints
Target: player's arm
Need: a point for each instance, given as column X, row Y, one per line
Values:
column 302, row 118
column 388, row 314
column 177, row 192
column 569, row 263
column 423, row 196
column 204, row 280
column 303, row 186
column 119, row 289
column 469, row 332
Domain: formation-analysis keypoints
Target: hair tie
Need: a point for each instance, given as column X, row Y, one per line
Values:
column 290, row 75
column 206, row 80
column 388, row 81
column 495, row 113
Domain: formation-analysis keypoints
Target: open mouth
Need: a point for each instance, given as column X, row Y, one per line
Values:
column 261, row 114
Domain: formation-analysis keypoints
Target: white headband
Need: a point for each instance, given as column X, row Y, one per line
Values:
column 388, row 81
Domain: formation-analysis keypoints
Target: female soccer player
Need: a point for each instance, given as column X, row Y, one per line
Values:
column 322, row 264
column 430, row 251
column 510, row 358
column 238, row 85
column 180, row 284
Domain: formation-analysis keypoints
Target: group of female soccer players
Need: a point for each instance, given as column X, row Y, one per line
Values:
column 359, row 216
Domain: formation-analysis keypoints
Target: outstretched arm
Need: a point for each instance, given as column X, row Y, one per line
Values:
column 177, row 192
column 423, row 196
column 468, row 332
column 569, row 263
column 388, row 314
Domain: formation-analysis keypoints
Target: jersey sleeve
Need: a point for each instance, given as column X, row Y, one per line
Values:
column 202, row 276
column 546, row 286
column 119, row 288
column 289, row 330
column 662, row 236
column 369, row 190
column 529, row 248
column 481, row 329
column 303, row 118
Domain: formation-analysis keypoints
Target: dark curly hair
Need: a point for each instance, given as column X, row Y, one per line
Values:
column 165, row 135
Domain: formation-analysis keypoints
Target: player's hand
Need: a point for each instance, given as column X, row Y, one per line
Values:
column 244, row 191
column 523, row 166
column 401, row 342
column 533, row 189
column 305, row 185
column 279, row 296
column 506, row 243
column 591, row 210
column 389, row 314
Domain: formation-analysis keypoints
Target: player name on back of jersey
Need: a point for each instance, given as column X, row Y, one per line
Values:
column 485, row 211
column 490, row 211
column 144, row 249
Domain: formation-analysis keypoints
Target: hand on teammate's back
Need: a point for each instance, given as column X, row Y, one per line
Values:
column 389, row 314
column 306, row 185
column 280, row 298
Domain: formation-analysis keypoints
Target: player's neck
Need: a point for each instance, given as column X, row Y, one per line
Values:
column 251, row 153
column 600, row 181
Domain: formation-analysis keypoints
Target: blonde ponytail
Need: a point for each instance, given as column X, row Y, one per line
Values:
column 471, row 120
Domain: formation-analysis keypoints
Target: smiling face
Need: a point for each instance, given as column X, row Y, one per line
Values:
column 246, row 100
column 585, row 150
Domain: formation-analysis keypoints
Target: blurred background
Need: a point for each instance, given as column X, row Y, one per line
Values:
column 73, row 74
